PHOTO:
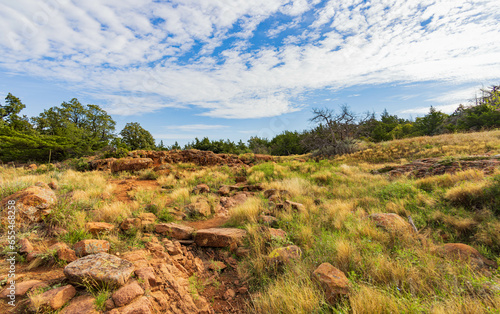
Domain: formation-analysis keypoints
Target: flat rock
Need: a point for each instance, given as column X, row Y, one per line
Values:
column 131, row 164
column 140, row 306
column 219, row 237
column 127, row 293
column 31, row 204
column 176, row 231
column 464, row 252
column 332, row 280
column 285, row 254
column 55, row 298
column 99, row 227
column 87, row 247
column 101, row 267
column 80, row 305
column 21, row 288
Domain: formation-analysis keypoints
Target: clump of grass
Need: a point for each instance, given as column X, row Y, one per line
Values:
column 370, row 300
column 147, row 174
column 114, row 212
column 468, row 194
column 248, row 212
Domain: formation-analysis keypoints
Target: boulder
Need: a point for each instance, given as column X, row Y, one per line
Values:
column 130, row 223
column 63, row 251
column 80, row 305
column 140, row 306
column 176, row 231
column 199, row 208
column 285, row 255
column 391, row 222
column 101, row 267
column 55, row 298
column 21, row 288
column 219, row 237
column 99, row 227
column 464, row 252
column 86, row 247
column 201, row 188
column 127, row 293
column 131, row 164
column 31, row 204
column 147, row 219
column 26, row 246
column 332, row 280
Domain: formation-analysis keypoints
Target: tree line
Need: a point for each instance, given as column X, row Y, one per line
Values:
column 73, row 130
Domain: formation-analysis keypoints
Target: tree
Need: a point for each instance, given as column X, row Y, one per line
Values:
column 136, row 137
column 9, row 114
column 430, row 124
column 287, row 143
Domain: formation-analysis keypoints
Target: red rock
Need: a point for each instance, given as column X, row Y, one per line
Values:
column 80, row 305
column 86, row 247
column 64, row 253
column 216, row 266
column 332, row 280
column 129, row 223
column 176, row 231
column 98, row 227
column 278, row 233
column 131, row 164
column 147, row 275
column 140, row 306
column 201, row 188
column 219, row 237
column 464, row 252
column 26, row 246
column 21, row 288
column 285, row 254
column 199, row 208
column 55, row 298
column 31, row 204
column 147, row 219
column 391, row 222
column 127, row 293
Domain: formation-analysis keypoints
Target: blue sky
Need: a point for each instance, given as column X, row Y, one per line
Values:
column 233, row 69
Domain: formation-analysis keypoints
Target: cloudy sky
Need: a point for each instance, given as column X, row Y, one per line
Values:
column 236, row 68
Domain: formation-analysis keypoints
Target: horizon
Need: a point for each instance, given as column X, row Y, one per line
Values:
column 231, row 71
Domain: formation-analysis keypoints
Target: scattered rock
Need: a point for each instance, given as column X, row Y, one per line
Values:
column 131, row 164
column 32, row 204
column 26, row 246
column 229, row 294
column 199, row 208
column 147, row 275
column 80, row 305
column 201, row 188
column 391, row 222
column 54, row 298
column 21, row 288
column 130, row 223
column 268, row 220
column 101, row 267
column 219, row 237
column 127, row 293
column 235, row 200
column 147, row 219
column 332, row 280
column 98, row 227
column 284, row 255
column 224, row 190
column 141, row 306
column 176, row 231
column 217, row 266
column 296, row 206
column 87, row 247
column 464, row 252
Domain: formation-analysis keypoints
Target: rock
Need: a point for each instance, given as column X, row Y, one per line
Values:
column 296, row 206
column 224, row 190
column 26, row 246
column 147, row 219
column 201, row 188
column 86, row 247
column 31, row 256
column 80, row 305
column 242, row 290
column 217, row 266
column 176, row 231
column 58, row 231
column 268, row 220
column 240, row 179
column 53, row 185
column 235, row 200
column 141, row 306
column 219, row 237
column 32, row 204
column 199, row 208
column 127, row 293
column 147, row 275
column 54, row 298
column 98, row 227
column 391, row 222
column 277, row 233
column 131, row 164
column 270, row 192
column 21, row 288
column 32, row 167
column 464, row 252
column 130, row 223
column 284, row 255
column 172, row 248
column 63, row 251
column 229, row 294
column 101, row 267
column 109, row 305
column 332, row 280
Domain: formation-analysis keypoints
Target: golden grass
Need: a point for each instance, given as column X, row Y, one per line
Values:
column 114, row 212
column 369, row 300
column 248, row 212
column 295, row 186
column 466, row 193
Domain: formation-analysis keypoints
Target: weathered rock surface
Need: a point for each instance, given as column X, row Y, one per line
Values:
column 32, row 204
column 63, row 251
column 176, row 231
column 26, row 246
column 130, row 223
column 199, row 208
column 332, row 280
column 464, row 252
column 131, row 164
column 141, row 306
column 285, row 254
column 54, row 298
column 101, row 267
column 201, row 188
column 127, row 293
column 86, row 247
column 219, row 237
column 99, row 227
column 21, row 288
column 80, row 305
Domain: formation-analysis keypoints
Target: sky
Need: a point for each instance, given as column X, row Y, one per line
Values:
column 238, row 68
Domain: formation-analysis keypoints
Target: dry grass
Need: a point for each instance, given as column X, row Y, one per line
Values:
column 248, row 212
column 114, row 212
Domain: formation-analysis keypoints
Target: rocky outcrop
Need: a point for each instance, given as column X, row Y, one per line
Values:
column 176, row 231
column 99, row 227
column 102, row 268
column 87, row 247
column 127, row 293
column 80, row 305
column 220, row 237
column 131, row 164
column 465, row 253
column 31, row 204
column 332, row 280
column 54, row 298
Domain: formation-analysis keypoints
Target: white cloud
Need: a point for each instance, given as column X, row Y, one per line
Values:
column 196, row 127
column 161, row 52
column 424, row 110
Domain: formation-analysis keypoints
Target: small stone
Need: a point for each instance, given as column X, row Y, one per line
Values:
column 268, row 220
column 277, row 233
column 219, row 237
column 55, row 298
column 285, row 254
column 332, row 280
column 217, row 266
column 98, row 227
column 147, row 219
column 86, row 247
column 242, row 290
column 109, row 305
column 80, row 305
column 176, row 231
column 26, row 246
column 21, row 288
column 224, row 190
column 229, row 294
column 127, row 293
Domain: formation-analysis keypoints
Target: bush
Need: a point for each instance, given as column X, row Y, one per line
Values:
column 79, row 164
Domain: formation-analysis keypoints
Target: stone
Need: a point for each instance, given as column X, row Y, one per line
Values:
column 21, row 288
column 147, row 275
column 268, row 220
column 217, row 266
column 130, row 223
column 201, row 188
column 26, row 246
column 32, row 204
column 32, row 167
column 229, row 294
column 296, row 206
column 464, row 252
column 219, row 237
column 277, row 233
column 171, row 247
column 235, row 200
column 391, row 222
column 332, row 280
column 101, row 267
column 63, row 252
column 99, row 227
column 131, row 164
column 147, row 219
column 224, row 190
column 86, row 247
column 199, row 208
column 176, row 231
column 54, row 298
column 127, row 293
column 109, row 304
column 285, row 255
column 140, row 306
column 80, row 305
column 32, row 256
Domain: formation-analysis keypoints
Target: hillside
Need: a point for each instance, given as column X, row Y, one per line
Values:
column 408, row 226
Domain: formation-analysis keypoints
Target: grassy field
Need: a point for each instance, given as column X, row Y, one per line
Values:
column 389, row 272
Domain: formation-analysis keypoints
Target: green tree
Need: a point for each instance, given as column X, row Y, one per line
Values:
column 9, row 114
column 430, row 124
column 137, row 137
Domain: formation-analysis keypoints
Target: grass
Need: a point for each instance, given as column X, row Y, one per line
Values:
column 389, row 271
